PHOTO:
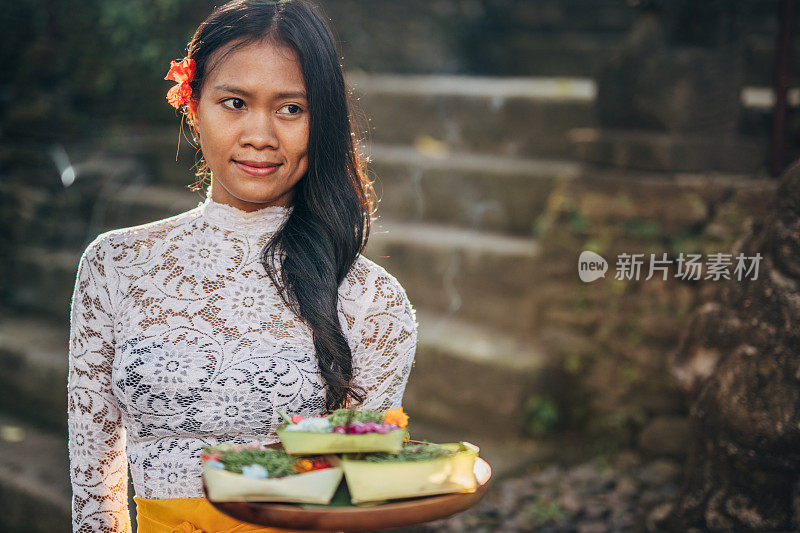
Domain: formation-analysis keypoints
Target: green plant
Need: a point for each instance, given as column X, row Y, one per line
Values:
column 578, row 223
column 545, row 512
column 540, row 414
column 641, row 229
column 573, row 362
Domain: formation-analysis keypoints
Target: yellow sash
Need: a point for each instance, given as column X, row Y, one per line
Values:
column 192, row 515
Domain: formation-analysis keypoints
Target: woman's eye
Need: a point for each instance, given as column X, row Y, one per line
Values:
column 294, row 107
column 233, row 103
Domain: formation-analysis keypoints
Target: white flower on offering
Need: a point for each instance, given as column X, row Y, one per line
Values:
column 255, row 471
column 311, row 425
column 215, row 464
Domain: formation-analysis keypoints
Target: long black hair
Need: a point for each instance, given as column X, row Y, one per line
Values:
column 333, row 203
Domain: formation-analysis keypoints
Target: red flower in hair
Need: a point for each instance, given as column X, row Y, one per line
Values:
column 183, row 73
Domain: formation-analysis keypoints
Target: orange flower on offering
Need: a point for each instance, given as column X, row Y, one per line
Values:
column 396, row 416
column 304, row 465
column 183, row 73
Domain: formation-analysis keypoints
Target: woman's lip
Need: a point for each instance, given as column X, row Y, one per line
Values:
column 257, row 171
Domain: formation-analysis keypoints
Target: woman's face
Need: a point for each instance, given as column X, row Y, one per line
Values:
column 253, row 124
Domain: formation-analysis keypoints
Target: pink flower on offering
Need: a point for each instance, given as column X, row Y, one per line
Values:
column 340, row 429
column 358, row 428
column 297, row 418
column 211, row 456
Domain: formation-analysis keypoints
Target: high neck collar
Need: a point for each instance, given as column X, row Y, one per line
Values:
column 259, row 222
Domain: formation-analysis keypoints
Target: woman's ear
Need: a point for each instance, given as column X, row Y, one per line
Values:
column 193, row 115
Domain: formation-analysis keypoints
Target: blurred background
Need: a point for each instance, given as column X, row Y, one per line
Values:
column 506, row 136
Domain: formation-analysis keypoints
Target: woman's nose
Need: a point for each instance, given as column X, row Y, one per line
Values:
column 259, row 131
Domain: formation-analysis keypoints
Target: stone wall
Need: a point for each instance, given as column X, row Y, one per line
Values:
column 615, row 335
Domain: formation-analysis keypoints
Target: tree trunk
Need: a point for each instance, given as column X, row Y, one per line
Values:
column 739, row 359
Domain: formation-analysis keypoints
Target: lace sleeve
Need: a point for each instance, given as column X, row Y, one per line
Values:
column 98, row 464
column 387, row 343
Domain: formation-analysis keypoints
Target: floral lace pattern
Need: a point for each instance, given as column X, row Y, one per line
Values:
column 179, row 340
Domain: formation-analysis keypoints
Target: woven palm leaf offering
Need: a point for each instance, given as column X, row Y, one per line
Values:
column 418, row 469
column 345, row 431
column 257, row 473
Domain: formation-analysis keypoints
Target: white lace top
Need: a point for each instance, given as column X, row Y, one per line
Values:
column 179, row 340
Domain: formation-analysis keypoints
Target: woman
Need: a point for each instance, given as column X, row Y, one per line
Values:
column 197, row 329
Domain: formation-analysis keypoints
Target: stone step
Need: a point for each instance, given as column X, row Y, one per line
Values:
column 484, row 192
column 586, row 16
column 452, row 35
column 34, row 479
column 42, row 281
column 515, row 116
column 465, row 372
column 579, row 54
column 481, row 192
column 442, row 387
column 521, row 51
column 33, row 369
column 71, row 218
column 648, row 150
column 140, row 205
column 482, row 276
column 487, row 278
column 64, row 217
column 545, row 37
column 34, row 366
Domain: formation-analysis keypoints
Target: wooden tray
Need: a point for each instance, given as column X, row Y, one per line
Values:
column 341, row 515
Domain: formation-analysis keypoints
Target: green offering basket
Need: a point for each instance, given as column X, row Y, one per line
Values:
column 317, row 486
column 307, row 443
column 376, row 481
